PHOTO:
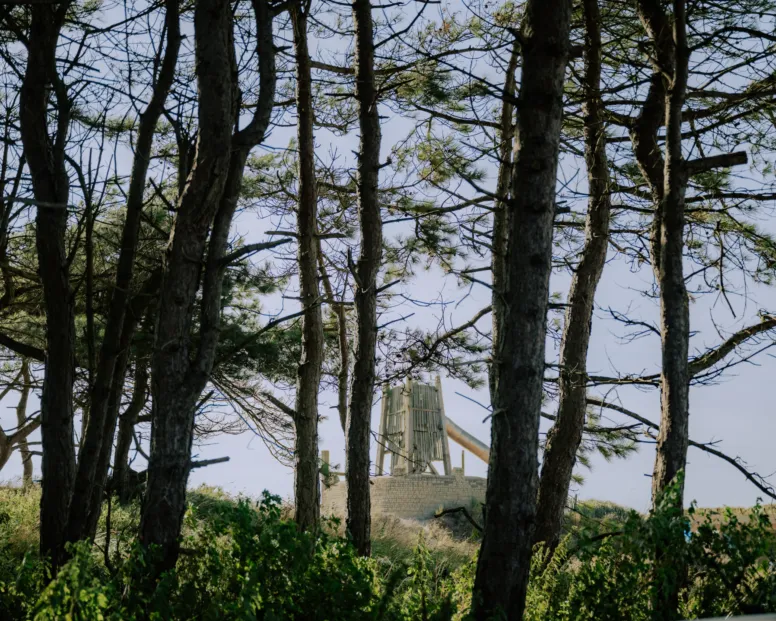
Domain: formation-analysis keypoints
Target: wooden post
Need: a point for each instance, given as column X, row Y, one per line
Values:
column 382, row 438
column 463, row 463
column 409, row 422
column 445, row 442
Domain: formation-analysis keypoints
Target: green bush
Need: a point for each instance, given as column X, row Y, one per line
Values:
column 719, row 569
column 244, row 560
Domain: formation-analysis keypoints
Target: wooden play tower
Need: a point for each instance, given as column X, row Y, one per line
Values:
column 414, row 431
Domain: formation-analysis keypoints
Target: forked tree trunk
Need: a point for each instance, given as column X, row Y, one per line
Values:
column 365, row 279
column 668, row 183
column 668, row 177
column 565, row 435
column 92, row 469
column 174, row 393
column 208, row 203
column 306, row 479
column 50, row 184
column 505, row 555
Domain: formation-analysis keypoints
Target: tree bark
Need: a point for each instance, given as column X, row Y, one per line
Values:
column 365, row 278
column 21, row 421
column 565, row 436
column 499, row 236
column 505, row 555
column 137, row 308
column 173, row 391
column 306, row 479
column 210, row 198
column 127, row 423
column 667, row 177
column 50, row 183
column 92, row 471
column 673, row 439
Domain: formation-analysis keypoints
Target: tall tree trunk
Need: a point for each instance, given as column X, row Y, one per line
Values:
column 174, row 393
column 365, row 277
column 667, row 177
column 21, row 421
column 505, row 555
column 673, row 439
column 50, row 183
column 306, row 479
column 503, row 186
column 92, row 471
column 210, row 197
column 565, row 435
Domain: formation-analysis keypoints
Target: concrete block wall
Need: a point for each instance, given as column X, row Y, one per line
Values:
column 412, row 497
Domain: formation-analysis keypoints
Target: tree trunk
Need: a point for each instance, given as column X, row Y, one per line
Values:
column 505, row 555
column 137, row 308
column 127, row 423
column 50, row 184
column 174, row 392
column 343, row 373
column 673, row 439
column 306, row 479
column 667, row 178
column 668, row 182
column 92, row 470
column 565, row 435
column 365, row 277
column 503, row 184
column 210, row 197
column 21, row 421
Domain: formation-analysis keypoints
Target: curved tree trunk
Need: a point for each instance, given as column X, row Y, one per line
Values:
column 505, row 555
column 565, row 435
column 50, row 183
column 306, row 479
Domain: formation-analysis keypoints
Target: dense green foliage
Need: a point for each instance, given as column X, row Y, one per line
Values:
column 246, row 560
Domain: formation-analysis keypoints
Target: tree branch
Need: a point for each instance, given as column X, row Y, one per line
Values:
column 724, row 160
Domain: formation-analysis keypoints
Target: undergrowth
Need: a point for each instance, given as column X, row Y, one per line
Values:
column 244, row 559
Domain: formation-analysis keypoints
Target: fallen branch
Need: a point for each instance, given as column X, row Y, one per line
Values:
column 463, row 510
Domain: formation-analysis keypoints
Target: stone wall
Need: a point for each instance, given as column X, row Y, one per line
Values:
column 414, row 496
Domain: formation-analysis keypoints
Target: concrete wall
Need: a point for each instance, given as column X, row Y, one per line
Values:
column 415, row 496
